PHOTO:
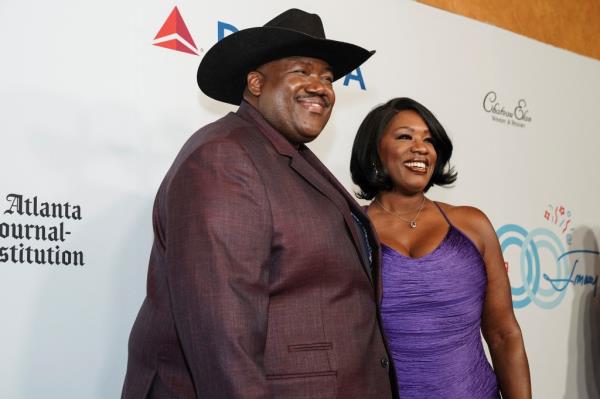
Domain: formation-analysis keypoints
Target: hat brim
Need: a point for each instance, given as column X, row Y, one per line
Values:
column 223, row 69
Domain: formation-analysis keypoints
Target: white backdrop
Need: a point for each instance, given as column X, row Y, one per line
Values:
column 92, row 114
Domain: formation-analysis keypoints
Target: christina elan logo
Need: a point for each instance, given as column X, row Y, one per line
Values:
column 547, row 260
column 514, row 115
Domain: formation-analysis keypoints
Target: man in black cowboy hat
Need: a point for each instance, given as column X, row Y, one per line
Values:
column 262, row 281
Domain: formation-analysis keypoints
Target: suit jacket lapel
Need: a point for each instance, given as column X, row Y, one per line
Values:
column 319, row 176
column 315, row 173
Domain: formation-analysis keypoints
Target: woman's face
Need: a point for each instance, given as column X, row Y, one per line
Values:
column 406, row 152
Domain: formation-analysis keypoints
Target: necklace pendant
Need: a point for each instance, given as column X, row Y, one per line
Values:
column 413, row 224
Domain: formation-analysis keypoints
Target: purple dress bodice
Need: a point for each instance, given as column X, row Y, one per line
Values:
column 431, row 311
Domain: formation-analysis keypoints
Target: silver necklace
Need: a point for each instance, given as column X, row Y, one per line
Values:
column 411, row 222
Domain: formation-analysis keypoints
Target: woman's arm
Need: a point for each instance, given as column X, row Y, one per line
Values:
column 499, row 325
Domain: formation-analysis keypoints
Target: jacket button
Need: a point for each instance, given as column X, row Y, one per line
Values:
column 385, row 362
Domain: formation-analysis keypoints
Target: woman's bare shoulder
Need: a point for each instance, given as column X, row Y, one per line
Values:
column 472, row 222
column 463, row 214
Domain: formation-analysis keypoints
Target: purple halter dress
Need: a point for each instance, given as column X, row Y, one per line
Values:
column 431, row 311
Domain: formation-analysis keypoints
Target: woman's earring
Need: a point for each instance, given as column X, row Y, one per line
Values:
column 377, row 171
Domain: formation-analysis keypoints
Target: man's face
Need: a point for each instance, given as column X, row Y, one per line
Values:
column 295, row 95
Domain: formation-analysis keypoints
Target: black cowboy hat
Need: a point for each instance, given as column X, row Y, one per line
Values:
column 222, row 72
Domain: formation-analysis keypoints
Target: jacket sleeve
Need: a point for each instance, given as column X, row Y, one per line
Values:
column 218, row 246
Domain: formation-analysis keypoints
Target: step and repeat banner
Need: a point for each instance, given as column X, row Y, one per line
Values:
column 97, row 98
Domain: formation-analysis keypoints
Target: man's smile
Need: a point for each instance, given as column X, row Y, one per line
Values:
column 314, row 104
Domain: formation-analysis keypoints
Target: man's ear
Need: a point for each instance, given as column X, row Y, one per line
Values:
column 254, row 82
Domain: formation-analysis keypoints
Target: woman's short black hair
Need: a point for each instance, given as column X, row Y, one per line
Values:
column 365, row 165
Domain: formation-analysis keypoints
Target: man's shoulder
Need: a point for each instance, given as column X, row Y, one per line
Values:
column 230, row 132
column 226, row 127
column 230, row 128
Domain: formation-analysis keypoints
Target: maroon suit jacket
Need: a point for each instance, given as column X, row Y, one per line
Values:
column 258, row 284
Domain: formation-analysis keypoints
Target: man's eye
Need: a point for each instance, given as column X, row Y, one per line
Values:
column 328, row 79
column 299, row 71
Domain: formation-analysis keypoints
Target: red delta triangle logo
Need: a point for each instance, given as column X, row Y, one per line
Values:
column 175, row 35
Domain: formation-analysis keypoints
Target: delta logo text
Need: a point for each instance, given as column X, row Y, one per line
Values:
column 548, row 260
column 175, row 35
column 34, row 231
column 515, row 114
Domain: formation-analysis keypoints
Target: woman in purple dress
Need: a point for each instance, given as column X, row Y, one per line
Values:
column 444, row 280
